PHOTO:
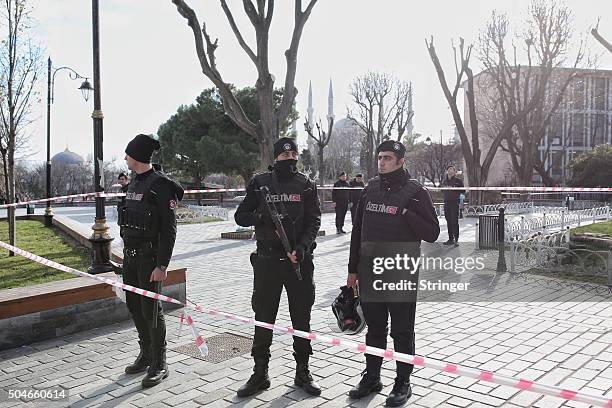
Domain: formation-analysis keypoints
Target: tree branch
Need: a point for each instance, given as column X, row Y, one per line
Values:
column 236, row 30
column 602, row 40
column 291, row 57
column 231, row 104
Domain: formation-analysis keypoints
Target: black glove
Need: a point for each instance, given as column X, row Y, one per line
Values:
column 300, row 252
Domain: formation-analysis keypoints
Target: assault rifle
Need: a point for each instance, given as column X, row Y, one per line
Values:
column 280, row 230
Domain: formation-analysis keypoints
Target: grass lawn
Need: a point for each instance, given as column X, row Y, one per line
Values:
column 597, row 228
column 591, row 261
column 50, row 243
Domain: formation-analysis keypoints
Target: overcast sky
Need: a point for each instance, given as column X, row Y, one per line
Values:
column 149, row 66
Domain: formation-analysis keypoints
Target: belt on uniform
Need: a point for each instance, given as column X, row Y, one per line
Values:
column 274, row 257
column 132, row 248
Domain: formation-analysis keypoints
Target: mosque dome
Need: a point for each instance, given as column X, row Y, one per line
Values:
column 67, row 157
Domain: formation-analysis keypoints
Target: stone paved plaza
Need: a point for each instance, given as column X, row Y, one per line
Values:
column 559, row 343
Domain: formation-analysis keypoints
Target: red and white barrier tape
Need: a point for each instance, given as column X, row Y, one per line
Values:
column 482, row 375
column 156, row 296
column 66, row 197
column 229, row 190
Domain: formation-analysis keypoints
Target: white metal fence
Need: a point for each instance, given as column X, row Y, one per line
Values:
column 197, row 212
column 552, row 219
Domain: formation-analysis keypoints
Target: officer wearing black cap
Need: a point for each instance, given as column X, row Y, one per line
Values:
column 398, row 212
column 148, row 228
column 358, row 184
column 341, row 197
column 295, row 196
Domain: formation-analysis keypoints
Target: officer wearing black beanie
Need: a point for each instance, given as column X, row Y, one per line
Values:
column 148, row 228
column 141, row 148
column 295, row 197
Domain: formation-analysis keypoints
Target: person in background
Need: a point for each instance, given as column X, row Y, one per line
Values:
column 340, row 198
column 451, row 205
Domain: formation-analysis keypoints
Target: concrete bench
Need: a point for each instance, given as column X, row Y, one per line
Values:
column 50, row 310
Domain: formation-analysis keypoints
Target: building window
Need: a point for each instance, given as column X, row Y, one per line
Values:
column 557, row 163
column 555, row 130
column 598, row 129
column 578, row 97
column 576, row 130
column 599, row 93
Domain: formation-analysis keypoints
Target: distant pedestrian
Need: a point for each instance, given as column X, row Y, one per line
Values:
column 340, row 198
column 451, row 205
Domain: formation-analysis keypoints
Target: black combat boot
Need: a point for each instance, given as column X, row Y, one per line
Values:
column 400, row 393
column 370, row 382
column 158, row 370
column 142, row 361
column 303, row 378
column 258, row 381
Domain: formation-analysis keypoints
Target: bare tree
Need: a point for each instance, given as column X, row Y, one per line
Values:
column 20, row 64
column 431, row 161
column 342, row 153
column 382, row 105
column 530, row 92
column 598, row 37
column 478, row 171
column 266, row 131
column 322, row 140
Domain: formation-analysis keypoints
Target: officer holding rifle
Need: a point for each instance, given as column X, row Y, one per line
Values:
column 284, row 207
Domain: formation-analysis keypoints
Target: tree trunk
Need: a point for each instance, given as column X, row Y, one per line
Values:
column 5, row 176
column 321, row 166
column 268, row 128
column 198, row 186
column 11, row 192
column 370, row 155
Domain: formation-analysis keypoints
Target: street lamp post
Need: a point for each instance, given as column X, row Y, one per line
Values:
column 100, row 239
column 85, row 90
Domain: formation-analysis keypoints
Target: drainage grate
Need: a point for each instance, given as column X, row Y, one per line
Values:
column 221, row 347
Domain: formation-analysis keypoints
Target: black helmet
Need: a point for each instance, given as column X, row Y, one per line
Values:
column 348, row 312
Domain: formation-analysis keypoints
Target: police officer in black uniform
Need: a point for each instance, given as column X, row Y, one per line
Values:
column 394, row 210
column 297, row 194
column 341, row 197
column 148, row 228
column 451, row 205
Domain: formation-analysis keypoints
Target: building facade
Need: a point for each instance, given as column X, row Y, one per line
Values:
column 582, row 121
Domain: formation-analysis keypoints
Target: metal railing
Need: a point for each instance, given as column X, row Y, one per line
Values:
column 197, row 212
column 553, row 219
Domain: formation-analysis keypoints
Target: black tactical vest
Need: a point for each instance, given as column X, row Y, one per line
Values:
column 382, row 211
column 138, row 217
column 289, row 194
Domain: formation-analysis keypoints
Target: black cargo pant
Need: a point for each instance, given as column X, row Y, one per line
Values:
column 139, row 261
column 341, row 209
column 451, row 213
column 270, row 275
column 353, row 212
column 402, row 331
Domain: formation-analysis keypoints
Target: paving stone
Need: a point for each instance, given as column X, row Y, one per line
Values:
column 555, row 343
